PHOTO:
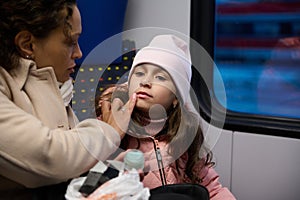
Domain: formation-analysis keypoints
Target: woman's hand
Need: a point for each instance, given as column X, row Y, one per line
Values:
column 117, row 114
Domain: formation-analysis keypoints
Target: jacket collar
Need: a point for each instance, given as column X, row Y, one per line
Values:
column 24, row 68
column 21, row 72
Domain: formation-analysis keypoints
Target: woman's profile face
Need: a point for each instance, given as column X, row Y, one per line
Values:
column 153, row 85
column 60, row 50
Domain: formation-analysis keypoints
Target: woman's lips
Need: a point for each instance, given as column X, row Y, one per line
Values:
column 71, row 69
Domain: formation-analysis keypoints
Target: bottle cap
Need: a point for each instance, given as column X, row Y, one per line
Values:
column 134, row 159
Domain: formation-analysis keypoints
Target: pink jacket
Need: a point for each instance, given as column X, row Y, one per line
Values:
column 208, row 176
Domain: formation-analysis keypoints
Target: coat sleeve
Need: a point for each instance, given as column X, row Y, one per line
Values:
column 34, row 155
column 210, row 179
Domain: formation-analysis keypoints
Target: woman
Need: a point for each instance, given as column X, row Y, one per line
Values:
column 42, row 143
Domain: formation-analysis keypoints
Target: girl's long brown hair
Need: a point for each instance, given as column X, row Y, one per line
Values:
column 180, row 124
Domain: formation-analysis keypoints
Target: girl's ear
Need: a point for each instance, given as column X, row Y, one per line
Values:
column 23, row 41
column 175, row 102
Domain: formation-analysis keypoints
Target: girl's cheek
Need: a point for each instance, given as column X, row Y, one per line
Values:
column 132, row 88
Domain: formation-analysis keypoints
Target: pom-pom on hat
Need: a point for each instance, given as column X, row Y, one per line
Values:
column 171, row 54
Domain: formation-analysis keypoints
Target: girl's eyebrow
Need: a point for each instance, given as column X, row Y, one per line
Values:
column 162, row 71
column 140, row 67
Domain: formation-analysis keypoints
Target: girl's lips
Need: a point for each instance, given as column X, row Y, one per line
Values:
column 143, row 95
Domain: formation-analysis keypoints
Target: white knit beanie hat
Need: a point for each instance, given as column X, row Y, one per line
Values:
column 171, row 54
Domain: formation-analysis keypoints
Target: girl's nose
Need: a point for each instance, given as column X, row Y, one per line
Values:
column 145, row 83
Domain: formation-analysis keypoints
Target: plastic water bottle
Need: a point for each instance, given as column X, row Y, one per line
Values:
column 134, row 159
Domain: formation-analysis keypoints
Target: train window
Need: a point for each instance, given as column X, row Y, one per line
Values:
column 255, row 46
column 257, row 51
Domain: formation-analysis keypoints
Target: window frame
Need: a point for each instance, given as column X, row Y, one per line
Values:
column 203, row 18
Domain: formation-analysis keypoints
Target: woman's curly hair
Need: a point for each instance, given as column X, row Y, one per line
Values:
column 39, row 17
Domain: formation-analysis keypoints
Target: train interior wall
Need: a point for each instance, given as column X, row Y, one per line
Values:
column 252, row 166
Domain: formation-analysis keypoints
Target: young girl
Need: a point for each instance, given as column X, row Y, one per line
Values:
column 165, row 124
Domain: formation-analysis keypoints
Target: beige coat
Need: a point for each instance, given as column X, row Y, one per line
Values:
column 41, row 142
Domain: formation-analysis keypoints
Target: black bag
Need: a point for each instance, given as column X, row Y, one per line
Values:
column 179, row 192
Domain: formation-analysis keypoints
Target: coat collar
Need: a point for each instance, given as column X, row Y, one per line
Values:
column 21, row 72
column 24, row 68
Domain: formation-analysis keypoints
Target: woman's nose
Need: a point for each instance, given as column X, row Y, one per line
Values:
column 77, row 53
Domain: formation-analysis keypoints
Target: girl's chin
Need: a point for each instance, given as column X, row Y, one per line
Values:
column 141, row 108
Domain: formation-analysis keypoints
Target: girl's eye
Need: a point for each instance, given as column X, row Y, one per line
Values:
column 139, row 74
column 161, row 78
